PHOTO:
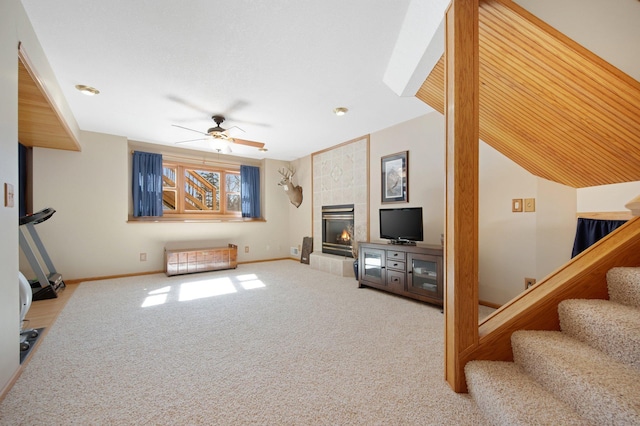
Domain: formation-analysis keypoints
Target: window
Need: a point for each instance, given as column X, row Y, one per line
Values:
column 201, row 191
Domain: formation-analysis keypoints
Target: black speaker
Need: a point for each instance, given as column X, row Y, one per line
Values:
column 307, row 248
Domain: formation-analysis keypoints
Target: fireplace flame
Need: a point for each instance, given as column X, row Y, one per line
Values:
column 345, row 235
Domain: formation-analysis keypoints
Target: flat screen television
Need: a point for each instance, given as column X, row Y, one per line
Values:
column 401, row 225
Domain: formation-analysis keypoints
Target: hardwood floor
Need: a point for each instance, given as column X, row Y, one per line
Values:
column 43, row 313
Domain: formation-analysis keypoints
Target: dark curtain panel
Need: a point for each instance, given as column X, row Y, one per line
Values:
column 589, row 231
column 147, row 184
column 250, row 192
column 22, row 180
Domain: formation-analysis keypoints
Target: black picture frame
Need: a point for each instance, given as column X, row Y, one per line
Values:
column 395, row 178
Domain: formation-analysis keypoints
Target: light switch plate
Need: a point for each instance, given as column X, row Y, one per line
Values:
column 529, row 204
column 8, row 195
column 516, row 205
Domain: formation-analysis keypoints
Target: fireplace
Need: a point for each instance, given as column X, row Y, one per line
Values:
column 336, row 222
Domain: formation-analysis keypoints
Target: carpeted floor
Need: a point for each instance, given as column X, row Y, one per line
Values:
column 274, row 343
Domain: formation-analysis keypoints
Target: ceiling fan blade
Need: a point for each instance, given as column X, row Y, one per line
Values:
column 248, row 143
column 187, row 103
column 232, row 128
column 186, row 128
column 192, row 140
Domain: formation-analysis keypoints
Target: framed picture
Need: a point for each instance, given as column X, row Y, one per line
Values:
column 395, row 178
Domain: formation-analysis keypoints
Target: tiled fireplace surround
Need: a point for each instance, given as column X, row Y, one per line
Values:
column 340, row 176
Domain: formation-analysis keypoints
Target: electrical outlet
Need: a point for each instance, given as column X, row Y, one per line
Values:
column 294, row 251
column 246, row 249
column 143, row 257
column 528, row 282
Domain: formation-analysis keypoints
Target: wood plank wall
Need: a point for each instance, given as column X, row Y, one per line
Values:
column 549, row 104
column 39, row 122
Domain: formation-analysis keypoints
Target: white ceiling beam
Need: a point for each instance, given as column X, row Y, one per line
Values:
column 419, row 46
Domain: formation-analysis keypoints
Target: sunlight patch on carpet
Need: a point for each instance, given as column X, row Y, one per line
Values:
column 250, row 281
column 206, row 288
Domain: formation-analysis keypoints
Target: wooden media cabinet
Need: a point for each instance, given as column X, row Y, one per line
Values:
column 188, row 261
column 410, row 271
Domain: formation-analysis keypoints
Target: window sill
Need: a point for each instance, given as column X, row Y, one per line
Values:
column 169, row 219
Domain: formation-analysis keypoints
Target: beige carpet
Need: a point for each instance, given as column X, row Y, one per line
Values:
column 586, row 374
column 273, row 343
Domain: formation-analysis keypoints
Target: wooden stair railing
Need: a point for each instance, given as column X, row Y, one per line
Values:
column 584, row 277
column 167, row 182
column 198, row 190
column 169, row 200
column 560, row 112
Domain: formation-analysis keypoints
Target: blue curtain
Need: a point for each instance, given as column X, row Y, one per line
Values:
column 590, row 231
column 147, row 184
column 250, row 191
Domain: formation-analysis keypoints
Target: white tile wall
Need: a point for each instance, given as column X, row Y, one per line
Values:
column 340, row 177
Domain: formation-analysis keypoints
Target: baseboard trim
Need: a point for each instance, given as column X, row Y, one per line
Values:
column 489, row 304
column 136, row 274
column 109, row 277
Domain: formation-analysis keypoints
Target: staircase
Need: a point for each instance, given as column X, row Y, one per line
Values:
column 587, row 373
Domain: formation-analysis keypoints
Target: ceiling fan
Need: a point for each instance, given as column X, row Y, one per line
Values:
column 218, row 133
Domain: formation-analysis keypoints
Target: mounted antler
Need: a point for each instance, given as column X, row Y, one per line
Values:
column 294, row 192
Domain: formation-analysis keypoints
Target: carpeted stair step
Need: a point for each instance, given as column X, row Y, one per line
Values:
column 594, row 384
column 507, row 396
column 607, row 326
column 624, row 285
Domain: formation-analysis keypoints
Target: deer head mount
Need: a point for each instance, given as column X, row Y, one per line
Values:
column 294, row 192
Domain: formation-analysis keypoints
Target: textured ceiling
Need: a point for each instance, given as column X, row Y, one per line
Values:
column 275, row 69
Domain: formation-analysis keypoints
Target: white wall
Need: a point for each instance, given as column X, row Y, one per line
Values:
column 300, row 217
column 555, row 226
column 607, row 198
column 515, row 245
column 15, row 28
column 423, row 137
column 507, row 240
column 512, row 245
column 89, row 235
column 9, row 314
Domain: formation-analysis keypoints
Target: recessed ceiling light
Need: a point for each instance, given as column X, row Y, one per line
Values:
column 87, row 90
column 263, row 149
column 340, row 111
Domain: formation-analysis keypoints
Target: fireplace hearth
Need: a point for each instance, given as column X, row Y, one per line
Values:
column 337, row 221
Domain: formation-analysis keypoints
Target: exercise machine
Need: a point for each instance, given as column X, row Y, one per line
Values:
column 26, row 296
column 47, row 283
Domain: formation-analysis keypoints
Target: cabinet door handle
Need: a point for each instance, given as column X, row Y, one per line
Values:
column 410, row 271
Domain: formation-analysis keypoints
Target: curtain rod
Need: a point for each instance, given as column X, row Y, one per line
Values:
column 194, row 160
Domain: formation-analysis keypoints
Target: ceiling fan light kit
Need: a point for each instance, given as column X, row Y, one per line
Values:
column 218, row 133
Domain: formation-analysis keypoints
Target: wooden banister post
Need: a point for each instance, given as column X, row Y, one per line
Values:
column 462, row 134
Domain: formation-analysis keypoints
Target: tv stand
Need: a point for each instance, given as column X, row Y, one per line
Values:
column 413, row 271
